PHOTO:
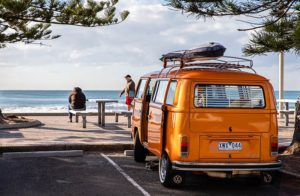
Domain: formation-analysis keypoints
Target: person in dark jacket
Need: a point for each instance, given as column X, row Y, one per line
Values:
column 77, row 101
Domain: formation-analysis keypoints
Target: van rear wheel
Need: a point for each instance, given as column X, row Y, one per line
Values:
column 167, row 176
column 139, row 152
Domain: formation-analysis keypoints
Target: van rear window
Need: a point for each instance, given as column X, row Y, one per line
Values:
column 228, row 96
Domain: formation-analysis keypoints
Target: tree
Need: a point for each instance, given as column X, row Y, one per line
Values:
column 260, row 13
column 294, row 148
column 276, row 25
column 280, row 37
column 30, row 20
column 277, row 37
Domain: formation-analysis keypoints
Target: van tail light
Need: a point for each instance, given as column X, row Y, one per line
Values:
column 274, row 146
column 184, row 146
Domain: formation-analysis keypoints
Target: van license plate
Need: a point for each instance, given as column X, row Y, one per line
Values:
column 230, row 146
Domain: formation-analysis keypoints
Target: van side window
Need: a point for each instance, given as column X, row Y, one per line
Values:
column 141, row 88
column 150, row 89
column 161, row 88
column 229, row 96
column 171, row 93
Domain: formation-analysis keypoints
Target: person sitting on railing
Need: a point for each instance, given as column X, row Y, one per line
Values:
column 77, row 101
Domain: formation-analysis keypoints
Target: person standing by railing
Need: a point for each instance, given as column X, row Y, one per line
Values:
column 129, row 91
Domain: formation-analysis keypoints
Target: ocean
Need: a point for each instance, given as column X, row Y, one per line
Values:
column 53, row 101
column 57, row 101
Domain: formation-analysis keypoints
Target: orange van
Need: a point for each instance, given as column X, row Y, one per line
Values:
column 206, row 115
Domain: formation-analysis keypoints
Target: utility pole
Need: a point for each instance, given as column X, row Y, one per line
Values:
column 281, row 81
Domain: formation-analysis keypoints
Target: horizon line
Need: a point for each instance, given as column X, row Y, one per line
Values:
column 89, row 90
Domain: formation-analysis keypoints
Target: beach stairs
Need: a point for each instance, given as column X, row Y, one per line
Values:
column 82, row 113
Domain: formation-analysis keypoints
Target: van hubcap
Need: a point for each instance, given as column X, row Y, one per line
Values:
column 267, row 178
column 177, row 179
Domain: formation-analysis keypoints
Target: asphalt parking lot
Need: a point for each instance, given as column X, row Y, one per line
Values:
column 115, row 174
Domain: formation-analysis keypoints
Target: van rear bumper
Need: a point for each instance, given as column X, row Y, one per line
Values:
column 197, row 166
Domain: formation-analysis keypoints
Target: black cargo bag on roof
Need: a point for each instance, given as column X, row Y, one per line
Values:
column 211, row 49
column 173, row 55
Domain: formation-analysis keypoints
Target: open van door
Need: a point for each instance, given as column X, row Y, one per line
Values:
column 139, row 100
column 156, row 118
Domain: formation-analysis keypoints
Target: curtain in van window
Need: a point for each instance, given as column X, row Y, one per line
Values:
column 229, row 96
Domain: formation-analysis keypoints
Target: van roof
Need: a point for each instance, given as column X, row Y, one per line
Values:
column 205, row 73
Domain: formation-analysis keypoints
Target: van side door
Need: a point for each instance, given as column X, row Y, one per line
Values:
column 138, row 107
column 145, row 112
column 156, row 118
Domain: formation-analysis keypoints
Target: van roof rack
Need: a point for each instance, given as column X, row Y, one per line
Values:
column 222, row 63
column 221, row 59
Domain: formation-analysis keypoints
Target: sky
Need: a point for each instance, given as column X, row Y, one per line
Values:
column 99, row 58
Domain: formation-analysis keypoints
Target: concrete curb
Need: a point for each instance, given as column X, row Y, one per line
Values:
column 59, row 147
column 289, row 173
column 39, row 154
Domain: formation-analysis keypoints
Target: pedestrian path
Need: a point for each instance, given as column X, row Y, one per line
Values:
column 57, row 133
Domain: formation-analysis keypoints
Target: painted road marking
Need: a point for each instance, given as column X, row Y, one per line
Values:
column 290, row 173
column 132, row 181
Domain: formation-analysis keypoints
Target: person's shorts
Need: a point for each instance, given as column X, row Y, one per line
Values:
column 128, row 100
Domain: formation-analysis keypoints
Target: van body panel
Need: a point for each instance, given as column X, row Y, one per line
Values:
column 155, row 129
column 176, row 126
column 177, row 119
column 137, row 111
column 234, row 122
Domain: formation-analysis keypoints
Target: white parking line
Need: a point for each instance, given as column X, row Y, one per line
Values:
column 132, row 181
column 290, row 173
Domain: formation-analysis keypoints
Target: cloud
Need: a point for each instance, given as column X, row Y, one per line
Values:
column 98, row 58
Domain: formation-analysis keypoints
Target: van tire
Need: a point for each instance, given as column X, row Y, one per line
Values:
column 168, row 177
column 139, row 152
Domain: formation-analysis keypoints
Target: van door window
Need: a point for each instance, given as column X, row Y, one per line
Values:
column 150, row 89
column 171, row 93
column 141, row 88
column 160, row 91
column 229, row 96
